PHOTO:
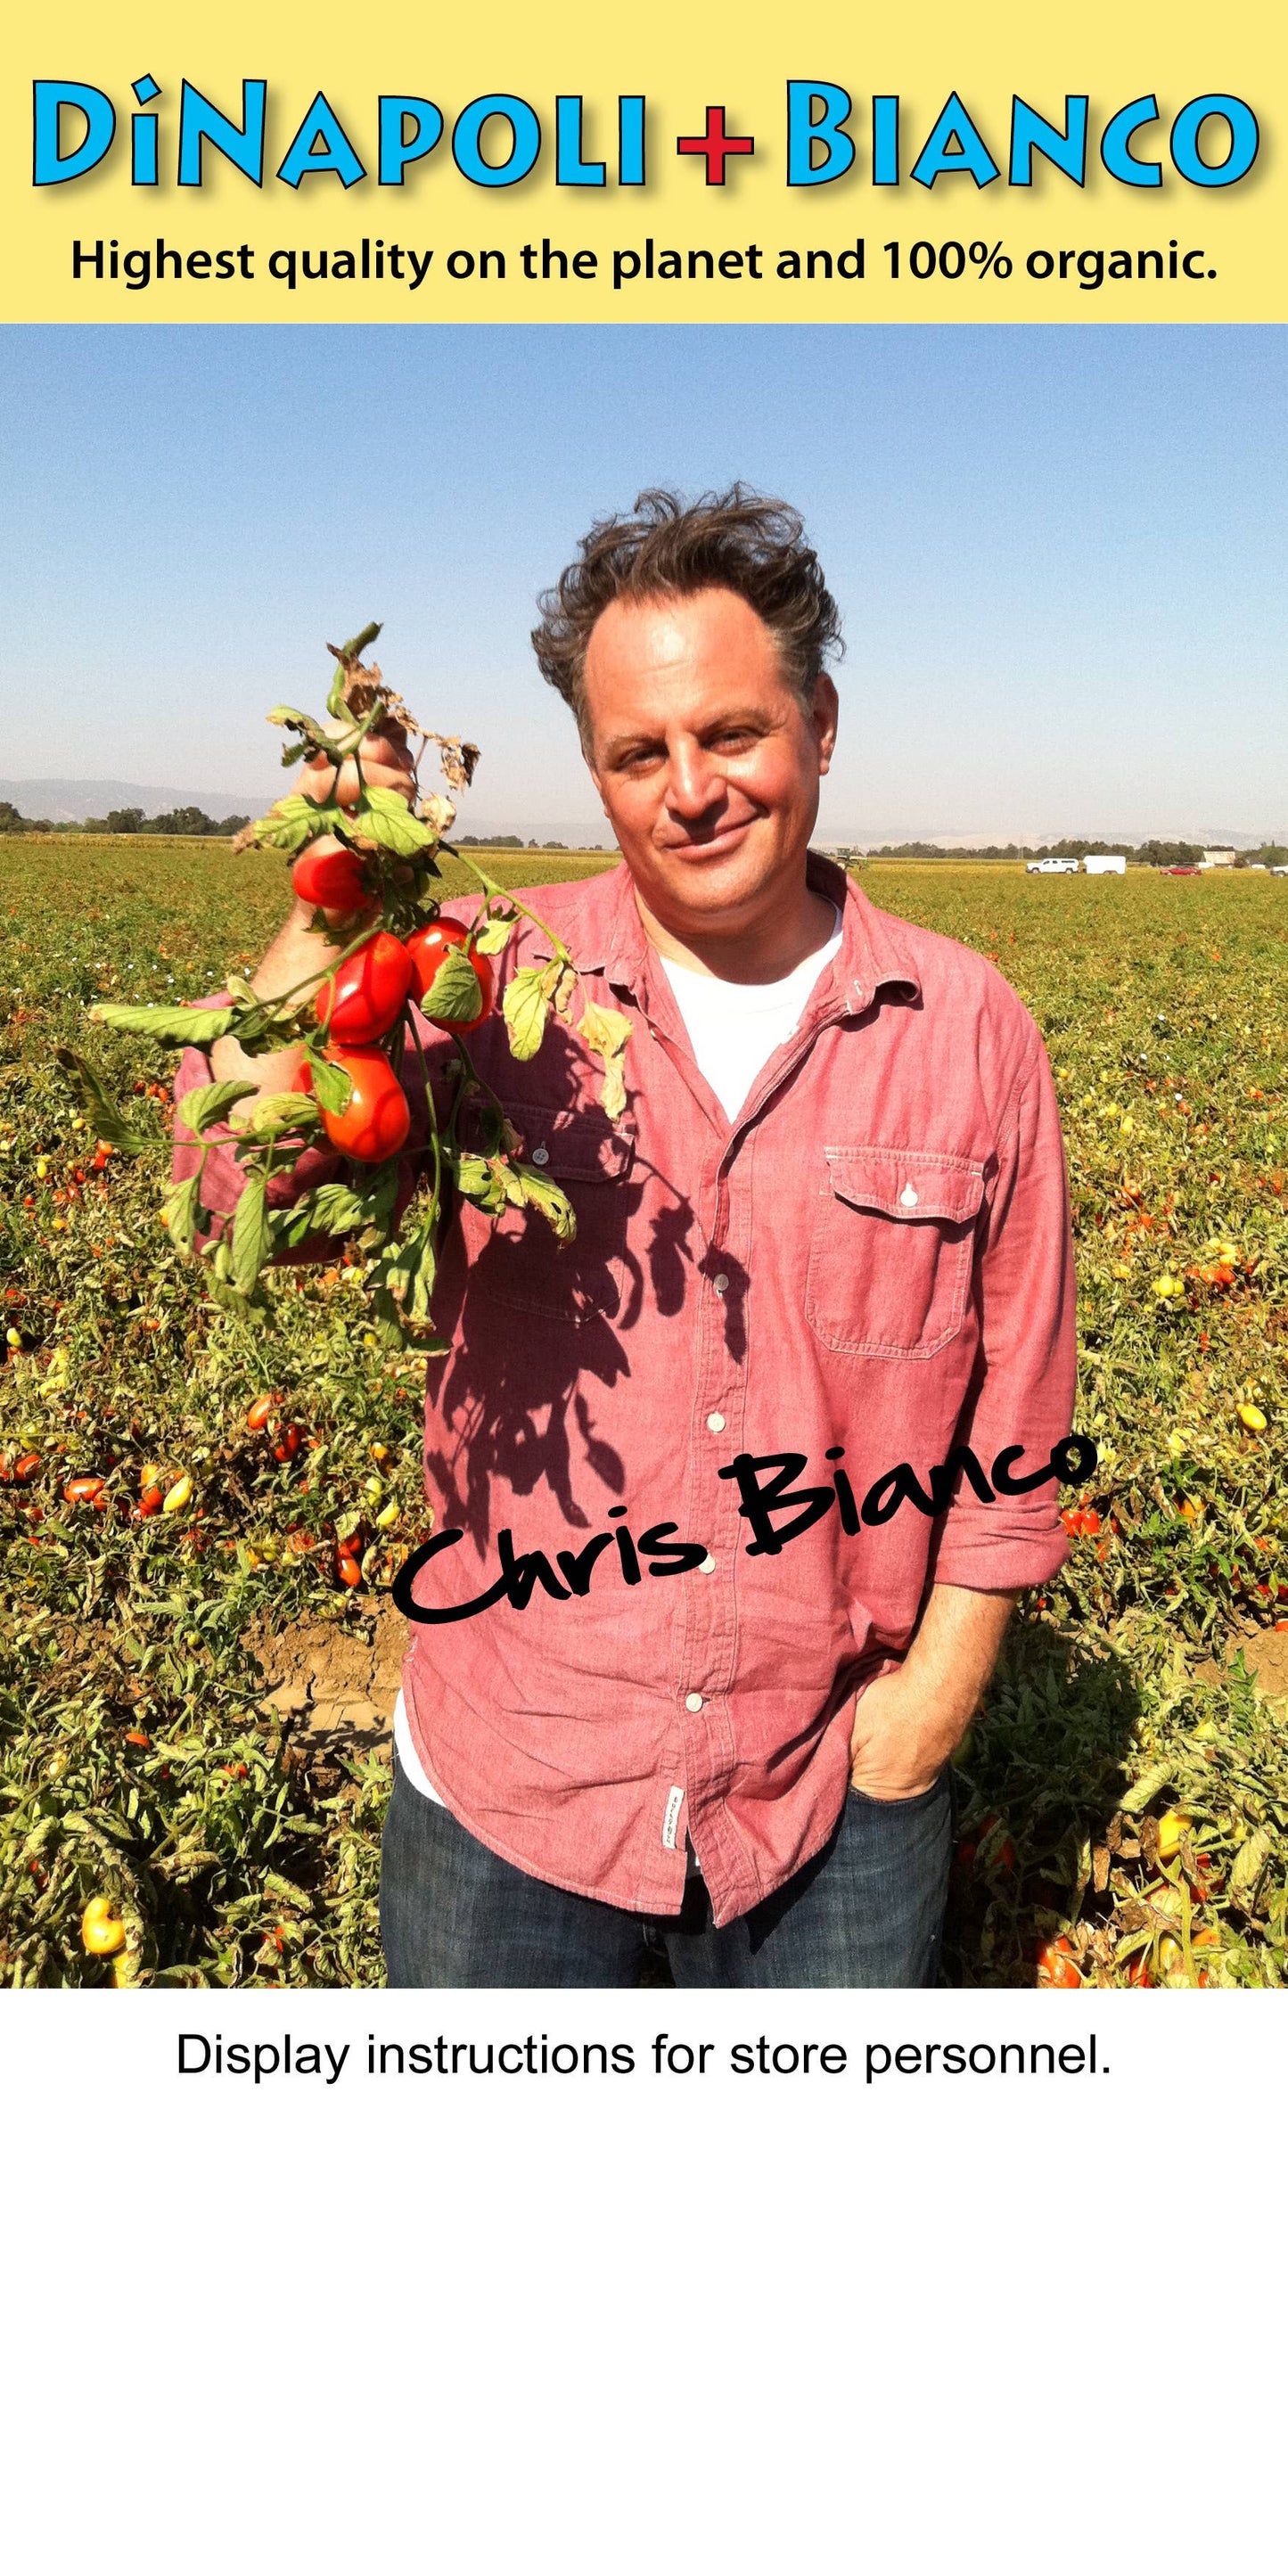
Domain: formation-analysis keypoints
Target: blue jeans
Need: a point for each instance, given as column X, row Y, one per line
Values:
column 866, row 1911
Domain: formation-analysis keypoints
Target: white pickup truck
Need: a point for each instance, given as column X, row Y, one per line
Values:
column 1051, row 868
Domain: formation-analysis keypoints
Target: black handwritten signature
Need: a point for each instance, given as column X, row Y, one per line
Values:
column 1071, row 1461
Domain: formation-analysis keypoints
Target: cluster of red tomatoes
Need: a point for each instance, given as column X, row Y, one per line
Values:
column 361, row 1001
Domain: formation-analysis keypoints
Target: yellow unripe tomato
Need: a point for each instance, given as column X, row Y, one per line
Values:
column 385, row 1519
column 1252, row 1417
column 179, row 1494
column 102, row 1931
column 1170, row 1829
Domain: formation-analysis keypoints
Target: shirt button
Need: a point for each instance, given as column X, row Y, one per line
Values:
column 708, row 1565
column 720, row 1282
column 694, row 1701
column 715, row 1422
column 541, row 1154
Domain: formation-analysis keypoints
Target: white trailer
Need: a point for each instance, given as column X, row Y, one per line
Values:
column 1114, row 864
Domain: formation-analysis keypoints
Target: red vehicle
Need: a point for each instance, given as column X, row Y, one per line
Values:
column 1182, row 872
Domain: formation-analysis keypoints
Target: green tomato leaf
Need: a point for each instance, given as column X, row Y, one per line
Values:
column 382, row 815
column 159, row 1020
column 527, row 1002
column 379, row 1200
column 476, row 1178
column 96, row 1103
column 281, row 1113
column 605, row 1033
column 331, row 1085
column 546, row 1195
column 183, row 1213
column 456, row 993
column 250, row 1233
column 210, row 1104
column 402, row 1279
column 335, row 1209
column 293, row 821
column 495, row 935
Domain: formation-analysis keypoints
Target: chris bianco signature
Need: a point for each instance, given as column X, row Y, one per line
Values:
column 776, row 1508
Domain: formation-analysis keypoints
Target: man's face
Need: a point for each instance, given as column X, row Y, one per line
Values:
column 707, row 764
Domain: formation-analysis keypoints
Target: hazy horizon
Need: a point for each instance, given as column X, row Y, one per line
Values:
column 1059, row 552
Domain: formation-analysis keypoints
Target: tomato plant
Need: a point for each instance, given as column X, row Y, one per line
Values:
column 359, row 837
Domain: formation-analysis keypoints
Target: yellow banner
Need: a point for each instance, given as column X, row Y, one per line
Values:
column 723, row 164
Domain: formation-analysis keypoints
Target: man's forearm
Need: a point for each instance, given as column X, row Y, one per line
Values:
column 955, row 1648
column 296, row 952
column 907, row 1723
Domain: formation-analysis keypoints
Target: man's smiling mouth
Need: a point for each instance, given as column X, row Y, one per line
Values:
column 711, row 845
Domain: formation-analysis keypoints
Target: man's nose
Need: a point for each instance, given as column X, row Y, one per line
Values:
column 693, row 781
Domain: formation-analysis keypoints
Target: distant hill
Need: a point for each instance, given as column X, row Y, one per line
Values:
column 71, row 800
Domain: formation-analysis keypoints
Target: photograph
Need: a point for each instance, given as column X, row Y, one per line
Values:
column 644, row 1125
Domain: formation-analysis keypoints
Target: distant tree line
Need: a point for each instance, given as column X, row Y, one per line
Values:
column 184, row 822
column 1148, row 854
column 188, row 822
column 512, row 841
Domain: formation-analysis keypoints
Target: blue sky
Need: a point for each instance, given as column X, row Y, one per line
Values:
column 1060, row 552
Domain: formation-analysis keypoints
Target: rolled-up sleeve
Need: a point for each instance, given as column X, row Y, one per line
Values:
column 1022, row 1388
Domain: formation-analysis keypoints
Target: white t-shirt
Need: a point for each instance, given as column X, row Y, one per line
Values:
column 735, row 1028
column 733, row 1031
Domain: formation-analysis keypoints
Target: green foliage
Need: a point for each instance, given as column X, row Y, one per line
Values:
column 242, row 1846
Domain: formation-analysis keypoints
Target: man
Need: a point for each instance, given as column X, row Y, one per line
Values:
column 679, row 1677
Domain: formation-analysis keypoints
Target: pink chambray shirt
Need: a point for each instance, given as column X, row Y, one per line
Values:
column 876, row 1258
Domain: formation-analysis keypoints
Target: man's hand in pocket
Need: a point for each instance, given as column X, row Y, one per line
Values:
column 908, row 1723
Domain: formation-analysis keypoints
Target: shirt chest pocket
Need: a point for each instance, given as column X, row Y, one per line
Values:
column 891, row 1250
column 517, row 1260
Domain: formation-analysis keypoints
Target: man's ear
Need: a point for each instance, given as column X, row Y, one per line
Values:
column 825, row 716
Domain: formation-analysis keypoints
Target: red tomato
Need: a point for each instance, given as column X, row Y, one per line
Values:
column 328, row 874
column 427, row 949
column 1057, row 1965
column 370, row 989
column 1140, row 1972
column 264, row 1407
column 376, row 1121
column 349, row 1572
column 26, row 1467
column 150, row 1501
column 83, row 1489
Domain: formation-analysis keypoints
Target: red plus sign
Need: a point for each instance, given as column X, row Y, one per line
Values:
column 716, row 145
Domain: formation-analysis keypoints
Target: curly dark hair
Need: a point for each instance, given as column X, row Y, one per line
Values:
column 736, row 540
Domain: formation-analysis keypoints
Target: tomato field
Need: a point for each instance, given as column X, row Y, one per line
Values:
column 183, row 1490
